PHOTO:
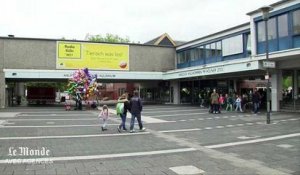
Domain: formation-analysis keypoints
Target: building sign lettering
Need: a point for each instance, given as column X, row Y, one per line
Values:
column 206, row 71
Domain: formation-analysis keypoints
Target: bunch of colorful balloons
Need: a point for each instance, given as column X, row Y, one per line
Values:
column 82, row 85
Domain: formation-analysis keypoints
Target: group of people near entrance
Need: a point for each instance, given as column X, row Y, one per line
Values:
column 132, row 105
column 228, row 102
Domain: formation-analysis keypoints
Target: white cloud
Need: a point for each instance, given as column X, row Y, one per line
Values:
column 140, row 20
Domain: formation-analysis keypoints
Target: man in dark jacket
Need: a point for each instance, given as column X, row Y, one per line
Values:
column 256, row 101
column 136, row 108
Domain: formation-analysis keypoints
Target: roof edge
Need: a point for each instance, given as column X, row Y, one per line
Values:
column 222, row 31
column 83, row 41
column 272, row 5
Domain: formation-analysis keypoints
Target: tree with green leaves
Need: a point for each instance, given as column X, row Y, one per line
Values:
column 110, row 38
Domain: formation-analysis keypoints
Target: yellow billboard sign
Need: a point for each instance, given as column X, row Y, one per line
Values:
column 72, row 55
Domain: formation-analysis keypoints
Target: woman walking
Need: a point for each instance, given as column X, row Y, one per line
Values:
column 124, row 103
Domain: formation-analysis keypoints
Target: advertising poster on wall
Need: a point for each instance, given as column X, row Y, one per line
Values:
column 75, row 55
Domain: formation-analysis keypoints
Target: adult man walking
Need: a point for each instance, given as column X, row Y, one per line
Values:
column 255, row 101
column 136, row 109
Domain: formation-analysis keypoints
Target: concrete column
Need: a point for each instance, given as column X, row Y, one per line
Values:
column 2, row 90
column 20, row 89
column 235, row 85
column 276, row 89
column 176, row 91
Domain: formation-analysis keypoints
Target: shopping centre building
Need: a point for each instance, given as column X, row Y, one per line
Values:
column 231, row 61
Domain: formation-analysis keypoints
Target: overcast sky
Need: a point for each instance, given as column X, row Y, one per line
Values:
column 140, row 20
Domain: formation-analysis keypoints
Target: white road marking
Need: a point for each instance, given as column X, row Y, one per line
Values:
column 50, row 123
column 248, row 137
column 285, row 146
column 9, row 123
column 182, row 120
column 157, row 111
column 55, row 126
column 73, row 136
column 105, row 156
column 50, row 119
column 9, row 114
column 217, row 117
column 57, row 115
column 2, row 122
column 200, row 119
column 145, row 119
column 186, row 170
column 249, row 123
column 240, row 124
column 253, row 141
column 229, row 126
column 179, row 114
column 209, row 118
column 219, row 126
column 181, row 130
column 208, row 128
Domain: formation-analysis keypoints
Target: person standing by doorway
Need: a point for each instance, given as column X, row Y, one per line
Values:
column 136, row 108
column 215, row 102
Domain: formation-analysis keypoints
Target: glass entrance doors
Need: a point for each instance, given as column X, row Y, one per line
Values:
column 290, row 90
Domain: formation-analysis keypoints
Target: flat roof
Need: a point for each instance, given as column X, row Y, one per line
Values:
column 217, row 33
column 85, row 41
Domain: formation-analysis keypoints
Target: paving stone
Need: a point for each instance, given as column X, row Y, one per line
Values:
column 43, row 172
column 264, row 153
column 120, row 172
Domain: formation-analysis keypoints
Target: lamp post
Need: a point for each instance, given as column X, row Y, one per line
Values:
column 265, row 16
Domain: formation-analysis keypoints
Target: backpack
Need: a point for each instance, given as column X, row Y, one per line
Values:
column 120, row 108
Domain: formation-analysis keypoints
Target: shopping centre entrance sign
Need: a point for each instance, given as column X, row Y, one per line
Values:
column 212, row 70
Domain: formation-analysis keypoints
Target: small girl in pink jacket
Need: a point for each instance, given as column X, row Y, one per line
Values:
column 104, row 114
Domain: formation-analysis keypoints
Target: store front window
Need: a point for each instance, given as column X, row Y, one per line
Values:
column 287, row 85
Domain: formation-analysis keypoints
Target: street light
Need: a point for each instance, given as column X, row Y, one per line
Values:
column 265, row 16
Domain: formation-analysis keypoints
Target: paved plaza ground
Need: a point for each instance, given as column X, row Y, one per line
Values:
column 180, row 139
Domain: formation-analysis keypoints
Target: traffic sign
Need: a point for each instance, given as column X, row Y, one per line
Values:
column 269, row 64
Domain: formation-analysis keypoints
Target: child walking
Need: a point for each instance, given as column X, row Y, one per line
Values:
column 104, row 114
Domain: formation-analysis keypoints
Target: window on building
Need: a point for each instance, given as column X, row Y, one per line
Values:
column 180, row 57
column 296, row 22
column 283, row 26
column 194, row 54
column 233, row 45
column 207, row 51
column 202, row 52
column 283, row 32
column 272, row 30
column 187, row 56
column 213, row 49
column 261, row 31
column 248, row 44
column 218, row 49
